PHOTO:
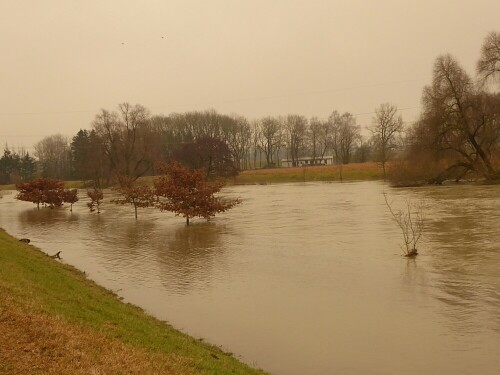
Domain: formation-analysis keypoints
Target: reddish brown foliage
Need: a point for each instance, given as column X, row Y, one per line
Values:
column 188, row 192
column 46, row 191
column 95, row 196
column 138, row 196
column 71, row 197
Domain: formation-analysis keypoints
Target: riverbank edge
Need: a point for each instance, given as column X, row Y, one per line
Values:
column 34, row 284
column 369, row 171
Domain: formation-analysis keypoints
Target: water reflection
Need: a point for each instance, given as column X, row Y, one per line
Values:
column 463, row 237
column 188, row 254
column 45, row 217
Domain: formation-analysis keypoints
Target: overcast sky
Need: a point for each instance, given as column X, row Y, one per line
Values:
column 61, row 61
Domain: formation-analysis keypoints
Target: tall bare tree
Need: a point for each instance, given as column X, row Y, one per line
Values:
column 466, row 121
column 387, row 124
column 270, row 138
column 54, row 156
column 320, row 137
column 345, row 136
column 488, row 66
column 296, row 132
column 458, row 132
column 255, row 129
column 237, row 135
column 128, row 139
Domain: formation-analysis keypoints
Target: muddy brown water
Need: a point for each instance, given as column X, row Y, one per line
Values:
column 303, row 278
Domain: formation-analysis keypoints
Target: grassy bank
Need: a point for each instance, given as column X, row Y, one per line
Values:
column 348, row 172
column 55, row 321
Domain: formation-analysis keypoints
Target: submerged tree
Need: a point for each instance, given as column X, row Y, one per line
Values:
column 189, row 193
column 138, row 196
column 45, row 191
column 71, row 197
column 410, row 220
column 95, row 196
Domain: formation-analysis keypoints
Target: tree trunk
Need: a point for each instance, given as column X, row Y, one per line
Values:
column 482, row 155
column 187, row 220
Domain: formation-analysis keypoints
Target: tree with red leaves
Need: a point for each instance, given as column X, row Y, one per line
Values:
column 71, row 197
column 189, row 193
column 138, row 196
column 95, row 196
column 45, row 191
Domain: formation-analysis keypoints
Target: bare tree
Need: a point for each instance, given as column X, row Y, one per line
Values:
column 345, row 135
column 410, row 220
column 54, row 155
column 128, row 140
column 238, row 138
column 296, row 131
column 255, row 128
column 320, row 137
column 387, row 124
column 458, row 133
column 270, row 138
column 488, row 66
column 460, row 119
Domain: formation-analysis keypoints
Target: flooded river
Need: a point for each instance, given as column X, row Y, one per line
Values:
column 303, row 278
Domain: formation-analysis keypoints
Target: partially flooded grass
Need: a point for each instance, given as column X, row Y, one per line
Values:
column 348, row 172
column 53, row 320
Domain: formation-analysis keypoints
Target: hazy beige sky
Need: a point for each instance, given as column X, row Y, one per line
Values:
column 61, row 61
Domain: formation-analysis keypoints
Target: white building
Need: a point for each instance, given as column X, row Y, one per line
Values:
column 308, row 161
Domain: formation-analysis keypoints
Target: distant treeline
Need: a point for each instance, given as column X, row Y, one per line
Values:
column 457, row 136
column 130, row 141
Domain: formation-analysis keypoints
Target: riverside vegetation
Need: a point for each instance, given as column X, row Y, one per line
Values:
column 456, row 137
column 54, row 320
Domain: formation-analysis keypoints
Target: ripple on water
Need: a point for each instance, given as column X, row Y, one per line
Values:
column 314, row 268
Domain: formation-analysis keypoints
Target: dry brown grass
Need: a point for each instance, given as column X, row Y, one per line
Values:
column 35, row 343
